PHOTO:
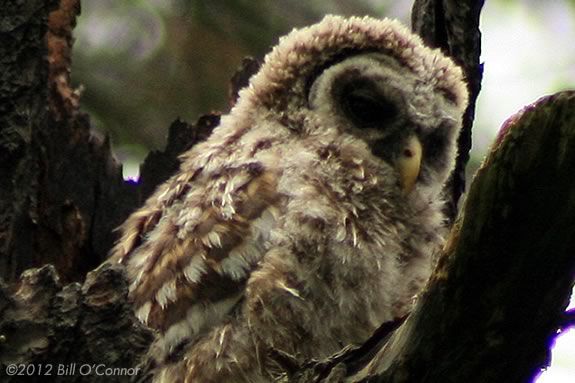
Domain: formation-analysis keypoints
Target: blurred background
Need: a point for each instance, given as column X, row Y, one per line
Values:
column 144, row 63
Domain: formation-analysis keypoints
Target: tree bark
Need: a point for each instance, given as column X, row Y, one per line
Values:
column 488, row 313
column 453, row 27
column 62, row 193
column 72, row 333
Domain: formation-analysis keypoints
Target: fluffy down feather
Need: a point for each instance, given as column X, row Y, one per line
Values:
column 284, row 232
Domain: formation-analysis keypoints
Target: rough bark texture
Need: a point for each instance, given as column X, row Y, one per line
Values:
column 487, row 315
column 72, row 333
column 62, row 192
column 453, row 26
column 23, row 95
column 55, row 174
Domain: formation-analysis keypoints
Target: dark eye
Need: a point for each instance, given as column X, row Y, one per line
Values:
column 368, row 108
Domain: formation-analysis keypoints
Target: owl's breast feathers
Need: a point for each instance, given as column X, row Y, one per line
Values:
column 192, row 248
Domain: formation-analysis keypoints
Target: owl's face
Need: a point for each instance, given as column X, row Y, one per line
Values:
column 405, row 121
column 372, row 80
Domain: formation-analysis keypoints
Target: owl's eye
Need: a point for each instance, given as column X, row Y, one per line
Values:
column 368, row 108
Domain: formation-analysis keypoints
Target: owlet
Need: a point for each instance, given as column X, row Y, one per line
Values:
column 310, row 216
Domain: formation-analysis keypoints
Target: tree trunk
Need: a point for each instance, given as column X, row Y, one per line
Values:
column 62, row 191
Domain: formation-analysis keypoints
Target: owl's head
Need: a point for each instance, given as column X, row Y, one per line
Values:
column 375, row 80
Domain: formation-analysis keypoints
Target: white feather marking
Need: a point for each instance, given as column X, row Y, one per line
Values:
column 136, row 281
column 221, row 341
column 137, row 260
column 252, row 251
column 198, row 318
column 195, row 269
column 143, row 312
column 228, row 211
column 354, row 211
column 357, row 187
column 291, row 290
column 241, row 259
column 191, row 367
column 189, row 218
column 162, row 197
column 341, row 231
column 417, row 112
column 212, row 239
column 128, row 242
column 177, row 332
column 227, row 199
column 235, row 265
column 166, row 293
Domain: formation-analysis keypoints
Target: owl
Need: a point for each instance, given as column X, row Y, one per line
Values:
column 311, row 214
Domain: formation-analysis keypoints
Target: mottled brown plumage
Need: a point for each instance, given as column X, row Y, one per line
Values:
column 311, row 214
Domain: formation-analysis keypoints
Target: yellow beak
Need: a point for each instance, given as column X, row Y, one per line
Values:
column 408, row 164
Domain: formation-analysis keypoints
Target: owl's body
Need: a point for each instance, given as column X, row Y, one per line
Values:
column 302, row 223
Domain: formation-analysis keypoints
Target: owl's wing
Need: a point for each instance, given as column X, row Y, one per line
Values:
column 191, row 248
